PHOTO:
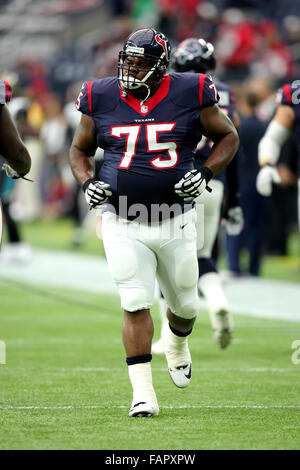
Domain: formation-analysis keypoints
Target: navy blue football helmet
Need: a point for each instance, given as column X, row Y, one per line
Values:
column 194, row 55
column 154, row 48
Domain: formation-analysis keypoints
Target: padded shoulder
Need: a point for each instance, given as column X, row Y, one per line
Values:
column 98, row 96
column 193, row 90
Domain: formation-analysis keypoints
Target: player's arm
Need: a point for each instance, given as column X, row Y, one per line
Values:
column 82, row 164
column 82, row 149
column 270, row 146
column 11, row 146
column 276, row 134
column 222, row 132
column 219, row 128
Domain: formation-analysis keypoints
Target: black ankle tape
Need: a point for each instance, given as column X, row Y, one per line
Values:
column 138, row 359
column 179, row 333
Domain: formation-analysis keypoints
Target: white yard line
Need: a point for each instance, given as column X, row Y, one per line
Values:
column 247, row 296
column 277, row 370
column 90, row 407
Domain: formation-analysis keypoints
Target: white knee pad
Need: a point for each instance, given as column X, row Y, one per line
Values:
column 134, row 299
column 187, row 305
column 132, row 265
column 186, row 270
column 122, row 261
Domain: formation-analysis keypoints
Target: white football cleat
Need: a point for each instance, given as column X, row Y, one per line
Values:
column 143, row 409
column 222, row 328
column 157, row 347
column 181, row 375
column 178, row 357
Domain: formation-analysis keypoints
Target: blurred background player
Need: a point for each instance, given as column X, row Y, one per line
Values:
column 286, row 122
column 197, row 56
column 253, row 205
column 18, row 161
column 12, row 148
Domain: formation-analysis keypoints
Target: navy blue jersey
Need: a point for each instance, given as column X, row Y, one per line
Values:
column 227, row 104
column 289, row 94
column 148, row 147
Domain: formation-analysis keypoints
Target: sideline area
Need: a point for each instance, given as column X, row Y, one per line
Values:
column 247, row 296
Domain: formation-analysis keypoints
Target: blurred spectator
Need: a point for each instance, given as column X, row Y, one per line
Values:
column 15, row 250
column 237, row 43
column 265, row 90
column 144, row 13
column 273, row 58
column 291, row 24
column 251, row 131
column 54, row 138
column 208, row 21
column 76, row 210
column 28, row 113
column 106, row 52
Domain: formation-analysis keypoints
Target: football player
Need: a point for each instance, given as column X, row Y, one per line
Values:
column 197, row 56
column 149, row 122
column 12, row 149
column 11, row 146
column 286, row 122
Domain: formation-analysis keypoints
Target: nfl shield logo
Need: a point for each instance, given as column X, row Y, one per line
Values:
column 144, row 108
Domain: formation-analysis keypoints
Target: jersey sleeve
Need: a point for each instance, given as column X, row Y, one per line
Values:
column 284, row 95
column 84, row 102
column 208, row 94
column 5, row 92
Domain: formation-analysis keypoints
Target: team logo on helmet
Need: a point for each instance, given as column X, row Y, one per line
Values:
column 158, row 38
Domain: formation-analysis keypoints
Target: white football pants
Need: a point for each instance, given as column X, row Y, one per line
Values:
column 137, row 253
column 208, row 208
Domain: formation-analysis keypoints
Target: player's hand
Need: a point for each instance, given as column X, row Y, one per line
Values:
column 234, row 221
column 193, row 183
column 11, row 173
column 96, row 192
column 265, row 178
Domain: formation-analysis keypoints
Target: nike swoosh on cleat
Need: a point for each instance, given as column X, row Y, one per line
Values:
column 189, row 374
column 137, row 404
column 182, row 226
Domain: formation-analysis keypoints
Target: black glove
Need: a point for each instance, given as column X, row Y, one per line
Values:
column 96, row 192
column 193, row 183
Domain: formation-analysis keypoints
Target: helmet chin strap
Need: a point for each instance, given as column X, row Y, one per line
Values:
column 128, row 90
column 140, row 83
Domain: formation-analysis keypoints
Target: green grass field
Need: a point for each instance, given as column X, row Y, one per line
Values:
column 65, row 384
